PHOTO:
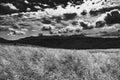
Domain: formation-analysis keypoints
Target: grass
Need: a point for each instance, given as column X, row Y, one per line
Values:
column 36, row 63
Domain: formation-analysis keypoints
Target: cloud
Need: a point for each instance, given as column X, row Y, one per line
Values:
column 69, row 16
column 113, row 17
column 9, row 5
column 7, row 8
column 100, row 24
column 108, row 18
column 64, row 17
column 95, row 12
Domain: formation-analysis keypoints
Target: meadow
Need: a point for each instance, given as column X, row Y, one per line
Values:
column 39, row 63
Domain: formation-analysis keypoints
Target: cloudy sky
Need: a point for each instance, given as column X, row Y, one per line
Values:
column 91, row 18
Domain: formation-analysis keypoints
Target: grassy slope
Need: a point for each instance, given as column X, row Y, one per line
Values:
column 31, row 63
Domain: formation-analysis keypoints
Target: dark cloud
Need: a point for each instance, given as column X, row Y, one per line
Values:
column 7, row 8
column 84, row 12
column 86, row 25
column 46, row 21
column 108, row 18
column 113, row 17
column 100, row 24
column 103, row 10
column 69, row 16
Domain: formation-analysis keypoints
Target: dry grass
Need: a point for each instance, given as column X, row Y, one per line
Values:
column 31, row 63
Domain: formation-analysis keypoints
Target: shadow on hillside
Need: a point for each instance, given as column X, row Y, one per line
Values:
column 72, row 42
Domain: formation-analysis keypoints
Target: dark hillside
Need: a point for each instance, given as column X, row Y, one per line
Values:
column 71, row 42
